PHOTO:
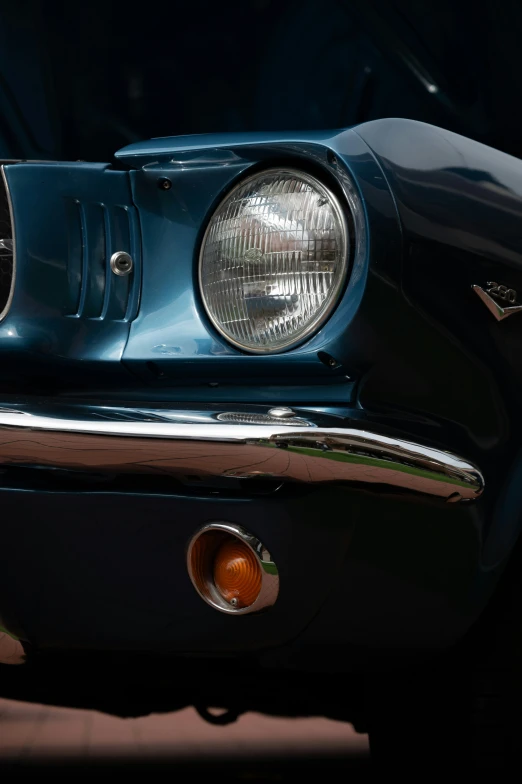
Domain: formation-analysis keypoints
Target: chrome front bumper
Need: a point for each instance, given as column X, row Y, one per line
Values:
column 246, row 443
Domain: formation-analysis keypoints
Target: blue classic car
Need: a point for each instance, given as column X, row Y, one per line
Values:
column 260, row 430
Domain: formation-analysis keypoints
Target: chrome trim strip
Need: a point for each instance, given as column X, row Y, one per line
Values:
column 269, row 572
column 7, row 307
column 124, row 439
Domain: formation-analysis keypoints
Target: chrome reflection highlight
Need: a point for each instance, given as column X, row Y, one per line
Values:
column 200, row 567
column 241, row 418
column 196, row 443
column 11, row 649
column 7, row 248
column 273, row 260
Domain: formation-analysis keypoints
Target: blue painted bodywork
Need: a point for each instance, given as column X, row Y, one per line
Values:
column 172, row 330
column 69, row 314
column 459, row 204
column 171, row 342
column 414, row 349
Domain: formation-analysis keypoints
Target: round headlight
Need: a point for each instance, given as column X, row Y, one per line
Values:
column 273, row 260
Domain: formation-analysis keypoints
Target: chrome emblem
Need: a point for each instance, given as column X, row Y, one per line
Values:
column 499, row 300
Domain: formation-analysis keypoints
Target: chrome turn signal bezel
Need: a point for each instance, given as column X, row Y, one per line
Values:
column 219, row 531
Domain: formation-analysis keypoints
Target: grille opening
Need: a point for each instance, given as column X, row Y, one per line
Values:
column 6, row 248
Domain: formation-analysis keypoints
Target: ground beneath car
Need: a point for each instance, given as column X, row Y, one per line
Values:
column 42, row 735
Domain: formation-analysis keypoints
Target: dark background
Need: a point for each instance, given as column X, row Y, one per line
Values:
column 79, row 80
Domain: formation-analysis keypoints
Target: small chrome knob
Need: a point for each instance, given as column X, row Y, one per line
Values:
column 282, row 412
column 121, row 263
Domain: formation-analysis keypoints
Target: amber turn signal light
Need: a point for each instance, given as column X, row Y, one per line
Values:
column 231, row 570
column 237, row 574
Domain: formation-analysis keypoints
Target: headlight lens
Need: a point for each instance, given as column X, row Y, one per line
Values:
column 273, row 260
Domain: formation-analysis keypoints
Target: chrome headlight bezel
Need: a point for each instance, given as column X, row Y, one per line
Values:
column 334, row 296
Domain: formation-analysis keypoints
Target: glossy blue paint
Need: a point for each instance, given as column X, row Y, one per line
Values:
column 69, row 313
column 172, row 330
column 460, row 205
column 216, row 146
column 171, row 343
